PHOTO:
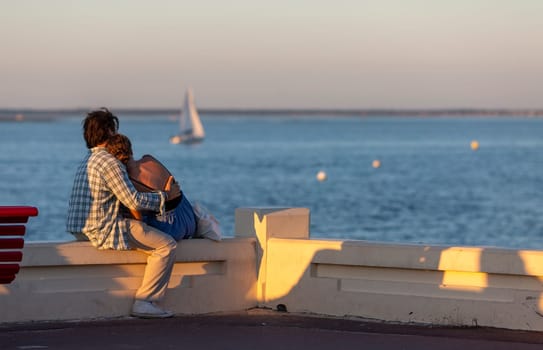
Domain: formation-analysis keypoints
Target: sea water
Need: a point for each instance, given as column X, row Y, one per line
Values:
column 431, row 187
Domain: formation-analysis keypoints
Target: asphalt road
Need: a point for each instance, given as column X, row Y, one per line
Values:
column 257, row 330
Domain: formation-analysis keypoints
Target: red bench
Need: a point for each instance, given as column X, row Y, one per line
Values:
column 12, row 240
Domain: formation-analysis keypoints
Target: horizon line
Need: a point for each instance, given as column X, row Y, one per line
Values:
column 343, row 111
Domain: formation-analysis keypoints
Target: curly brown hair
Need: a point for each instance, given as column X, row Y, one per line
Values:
column 98, row 126
column 120, row 147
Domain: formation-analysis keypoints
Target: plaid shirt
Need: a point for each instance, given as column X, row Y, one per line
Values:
column 101, row 184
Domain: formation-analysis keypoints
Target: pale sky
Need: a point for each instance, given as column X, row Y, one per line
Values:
column 272, row 54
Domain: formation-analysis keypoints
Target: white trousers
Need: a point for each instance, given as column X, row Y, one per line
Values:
column 160, row 249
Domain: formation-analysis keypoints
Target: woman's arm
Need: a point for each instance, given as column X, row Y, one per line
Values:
column 136, row 214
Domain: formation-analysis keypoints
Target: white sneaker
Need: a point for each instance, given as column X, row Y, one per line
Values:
column 148, row 309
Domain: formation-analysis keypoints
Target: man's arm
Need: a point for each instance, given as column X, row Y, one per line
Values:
column 117, row 180
column 173, row 190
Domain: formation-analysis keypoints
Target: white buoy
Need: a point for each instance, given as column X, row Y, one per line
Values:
column 376, row 163
column 321, row 176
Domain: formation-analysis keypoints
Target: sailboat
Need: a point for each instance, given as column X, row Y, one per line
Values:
column 191, row 129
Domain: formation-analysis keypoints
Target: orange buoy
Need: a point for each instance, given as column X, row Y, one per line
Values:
column 321, row 176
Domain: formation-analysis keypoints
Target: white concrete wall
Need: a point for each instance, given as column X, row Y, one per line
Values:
column 60, row 281
column 438, row 285
column 272, row 261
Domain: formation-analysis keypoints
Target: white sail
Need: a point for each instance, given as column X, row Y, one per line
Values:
column 190, row 110
column 191, row 129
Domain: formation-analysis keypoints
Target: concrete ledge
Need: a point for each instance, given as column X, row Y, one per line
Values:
column 272, row 222
column 60, row 281
column 272, row 261
column 456, row 286
column 429, row 257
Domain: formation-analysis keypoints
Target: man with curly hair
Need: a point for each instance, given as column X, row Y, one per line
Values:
column 100, row 186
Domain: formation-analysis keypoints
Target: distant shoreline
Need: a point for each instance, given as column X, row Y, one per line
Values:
column 51, row 114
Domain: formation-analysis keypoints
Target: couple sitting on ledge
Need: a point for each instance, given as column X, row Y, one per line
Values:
column 122, row 204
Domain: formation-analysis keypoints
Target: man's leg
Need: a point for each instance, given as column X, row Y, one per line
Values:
column 161, row 250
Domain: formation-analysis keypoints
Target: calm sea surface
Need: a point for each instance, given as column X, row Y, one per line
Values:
column 431, row 187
